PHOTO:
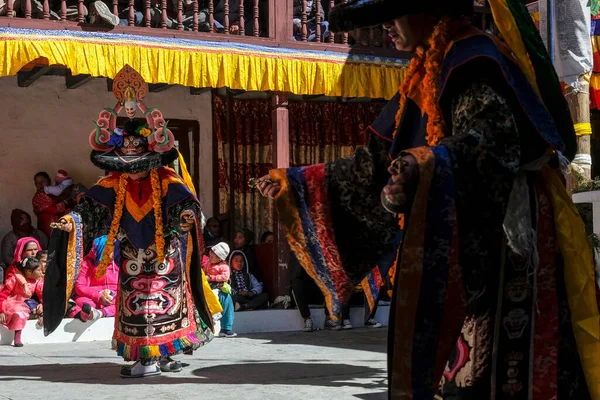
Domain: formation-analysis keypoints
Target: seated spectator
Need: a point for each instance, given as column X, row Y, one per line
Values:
column 21, row 297
column 267, row 237
column 37, row 9
column 212, row 233
column 63, row 183
column 26, row 247
column 311, row 21
column 247, row 292
column 96, row 297
column 217, row 273
column 363, row 38
column 47, row 208
column 243, row 240
column 42, row 257
column 21, row 227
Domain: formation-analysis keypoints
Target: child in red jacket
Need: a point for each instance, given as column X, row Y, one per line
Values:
column 217, row 273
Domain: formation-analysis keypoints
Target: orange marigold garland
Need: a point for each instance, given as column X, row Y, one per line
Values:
column 109, row 248
column 156, row 203
column 415, row 65
column 432, row 61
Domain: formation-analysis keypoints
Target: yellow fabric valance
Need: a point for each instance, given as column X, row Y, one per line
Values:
column 199, row 63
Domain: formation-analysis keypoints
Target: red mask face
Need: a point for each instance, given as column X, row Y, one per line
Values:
column 133, row 145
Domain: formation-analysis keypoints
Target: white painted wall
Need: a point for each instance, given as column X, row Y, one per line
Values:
column 46, row 127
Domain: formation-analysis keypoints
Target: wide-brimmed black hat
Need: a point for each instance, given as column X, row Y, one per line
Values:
column 112, row 161
column 132, row 152
column 357, row 14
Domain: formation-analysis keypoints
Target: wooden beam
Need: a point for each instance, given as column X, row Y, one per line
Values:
column 26, row 78
column 198, row 91
column 281, row 159
column 158, row 87
column 75, row 81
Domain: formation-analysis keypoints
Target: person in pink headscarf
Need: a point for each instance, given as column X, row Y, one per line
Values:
column 26, row 247
column 21, row 297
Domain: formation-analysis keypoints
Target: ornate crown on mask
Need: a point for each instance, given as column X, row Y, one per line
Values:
column 133, row 147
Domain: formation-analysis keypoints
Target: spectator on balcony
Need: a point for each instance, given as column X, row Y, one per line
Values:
column 37, row 9
column 47, row 208
column 370, row 37
column 95, row 298
column 246, row 291
column 311, row 20
column 21, row 227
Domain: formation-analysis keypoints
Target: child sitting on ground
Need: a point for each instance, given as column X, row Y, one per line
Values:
column 42, row 257
column 23, row 292
column 217, row 273
column 247, row 292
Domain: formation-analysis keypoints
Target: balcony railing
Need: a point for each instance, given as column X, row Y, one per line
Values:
column 292, row 23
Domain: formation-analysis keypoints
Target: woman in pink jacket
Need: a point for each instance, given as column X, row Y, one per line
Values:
column 95, row 298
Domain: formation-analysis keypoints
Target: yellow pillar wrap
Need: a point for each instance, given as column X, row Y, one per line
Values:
column 506, row 24
column 579, row 279
column 583, row 128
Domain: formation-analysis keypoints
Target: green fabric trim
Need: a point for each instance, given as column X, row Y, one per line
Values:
column 594, row 7
column 546, row 77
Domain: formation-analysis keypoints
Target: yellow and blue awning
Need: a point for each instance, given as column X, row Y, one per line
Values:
column 200, row 63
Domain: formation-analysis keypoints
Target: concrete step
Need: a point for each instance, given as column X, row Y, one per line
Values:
column 73, row 330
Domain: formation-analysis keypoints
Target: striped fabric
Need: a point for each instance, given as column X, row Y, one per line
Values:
column 308, row 216
column 429, row 294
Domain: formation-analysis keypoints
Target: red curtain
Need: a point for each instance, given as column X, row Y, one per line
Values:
column 325, row 131
column 319, row 132
column 252, row 157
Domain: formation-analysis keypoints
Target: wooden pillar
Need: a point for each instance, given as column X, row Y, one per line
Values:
column 231, row 141
column 281, row 159
column 579, row 105
column 280, row 19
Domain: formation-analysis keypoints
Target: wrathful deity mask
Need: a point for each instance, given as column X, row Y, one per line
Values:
column 133, row 145
column 150, row 287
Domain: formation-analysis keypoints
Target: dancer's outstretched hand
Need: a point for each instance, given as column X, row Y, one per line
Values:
column 398, row 194
column 267, row 188
column 63, row 225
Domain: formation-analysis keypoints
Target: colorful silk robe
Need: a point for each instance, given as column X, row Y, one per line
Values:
column 161, row 307
column 494, row 293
